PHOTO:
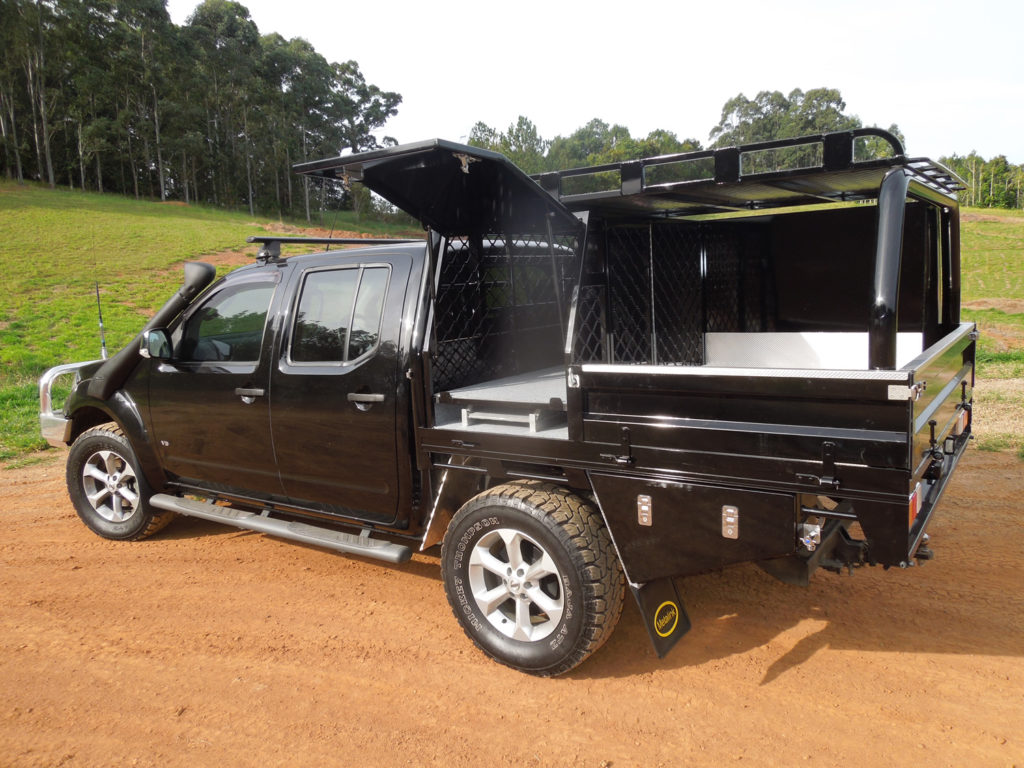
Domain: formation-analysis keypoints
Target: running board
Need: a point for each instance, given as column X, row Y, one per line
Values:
column 285, row 529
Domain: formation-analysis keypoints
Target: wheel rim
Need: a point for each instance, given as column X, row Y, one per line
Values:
column 110, row 486
column 516, row 585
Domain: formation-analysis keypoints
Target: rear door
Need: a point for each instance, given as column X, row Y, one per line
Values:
column 335, row 387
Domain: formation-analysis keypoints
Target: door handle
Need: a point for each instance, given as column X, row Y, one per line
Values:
column 249, row 394
column 358, row 397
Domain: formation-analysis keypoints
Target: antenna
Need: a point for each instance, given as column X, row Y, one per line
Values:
column 103, row 336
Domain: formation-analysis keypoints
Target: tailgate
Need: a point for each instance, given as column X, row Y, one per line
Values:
column 942, row 382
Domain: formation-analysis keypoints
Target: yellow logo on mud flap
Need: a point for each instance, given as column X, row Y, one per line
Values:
column 666, row 618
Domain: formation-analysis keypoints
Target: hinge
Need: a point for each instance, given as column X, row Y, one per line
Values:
column 911, row 392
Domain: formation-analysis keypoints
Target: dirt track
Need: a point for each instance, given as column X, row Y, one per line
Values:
column 206, row 646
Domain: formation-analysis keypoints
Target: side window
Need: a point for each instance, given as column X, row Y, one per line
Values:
column 338, row 318
column 325, row 310
column 228, row 327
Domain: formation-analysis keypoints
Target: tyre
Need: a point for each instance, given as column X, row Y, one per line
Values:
column 532, row 577
column 108, row 489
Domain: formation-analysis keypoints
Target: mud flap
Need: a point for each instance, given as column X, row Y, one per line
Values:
column 664, row 615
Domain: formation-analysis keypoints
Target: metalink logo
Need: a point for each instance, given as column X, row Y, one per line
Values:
column 666, row 618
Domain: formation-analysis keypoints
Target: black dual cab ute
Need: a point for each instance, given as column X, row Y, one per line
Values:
column 575, row 383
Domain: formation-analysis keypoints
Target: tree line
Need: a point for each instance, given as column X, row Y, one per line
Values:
column 993, row 183
column 110, row 95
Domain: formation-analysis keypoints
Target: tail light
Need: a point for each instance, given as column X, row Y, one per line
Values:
column 961, row 422
column 914, row 505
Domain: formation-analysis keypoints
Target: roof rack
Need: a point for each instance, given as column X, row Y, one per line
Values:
column 270, row 250
column 822, row 168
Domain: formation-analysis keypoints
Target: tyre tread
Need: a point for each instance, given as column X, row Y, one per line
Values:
column 157, row 520
column 582, row 528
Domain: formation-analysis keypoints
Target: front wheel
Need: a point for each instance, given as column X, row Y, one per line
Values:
column 108, row 488
column 531, row 574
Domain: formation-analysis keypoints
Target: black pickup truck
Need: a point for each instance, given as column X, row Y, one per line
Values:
column 576, row 383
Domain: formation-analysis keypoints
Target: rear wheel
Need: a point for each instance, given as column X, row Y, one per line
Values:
column 532, row 577
column 107, row 487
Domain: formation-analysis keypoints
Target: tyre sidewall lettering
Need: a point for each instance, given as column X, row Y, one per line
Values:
column 527, row 653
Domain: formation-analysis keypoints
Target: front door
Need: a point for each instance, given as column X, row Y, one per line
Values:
column 335, row 386
column 209, row 405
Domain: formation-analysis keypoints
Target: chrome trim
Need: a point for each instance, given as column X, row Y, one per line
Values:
column 55, row 427
column 704, row 370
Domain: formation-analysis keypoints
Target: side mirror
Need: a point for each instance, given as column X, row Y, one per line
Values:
column 155, row 345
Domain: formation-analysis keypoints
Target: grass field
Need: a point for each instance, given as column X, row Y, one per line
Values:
column 55, row 246
column 992, row 256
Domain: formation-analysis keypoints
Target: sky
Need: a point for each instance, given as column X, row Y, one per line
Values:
column 949, row 74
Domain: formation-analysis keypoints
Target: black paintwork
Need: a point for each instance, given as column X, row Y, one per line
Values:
column 694, row 440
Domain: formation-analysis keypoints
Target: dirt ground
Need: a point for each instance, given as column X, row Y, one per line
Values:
column 206, row 646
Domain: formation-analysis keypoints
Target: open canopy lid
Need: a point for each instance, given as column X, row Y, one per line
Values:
column 452, row 188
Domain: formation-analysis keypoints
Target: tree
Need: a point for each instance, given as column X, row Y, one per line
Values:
column 771, row 115
column 991, row 183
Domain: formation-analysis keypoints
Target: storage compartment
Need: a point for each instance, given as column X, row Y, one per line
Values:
column 498, row 360
column 782, row 290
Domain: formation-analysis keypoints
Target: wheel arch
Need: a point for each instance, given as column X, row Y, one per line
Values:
column 463, row 478
column 124, row 412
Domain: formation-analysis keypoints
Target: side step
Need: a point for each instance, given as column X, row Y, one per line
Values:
column 286, row 529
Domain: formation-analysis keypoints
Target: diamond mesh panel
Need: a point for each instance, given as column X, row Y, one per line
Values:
column 589, row 345
column 721, row 281
column 629, row 290
column 664, row 286
column 497, row 312
column 678, row 298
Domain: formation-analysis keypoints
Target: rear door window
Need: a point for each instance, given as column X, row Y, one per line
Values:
column 338, row 315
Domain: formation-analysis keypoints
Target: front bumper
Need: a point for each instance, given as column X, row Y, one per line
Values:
column 54, row 425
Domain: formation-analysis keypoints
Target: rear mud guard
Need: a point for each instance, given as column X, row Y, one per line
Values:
column 663, row 612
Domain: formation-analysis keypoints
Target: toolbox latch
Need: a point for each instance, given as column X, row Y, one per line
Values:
column 625, row 455
column 827, row 478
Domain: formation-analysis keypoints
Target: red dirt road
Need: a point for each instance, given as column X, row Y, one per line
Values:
column 206, row 646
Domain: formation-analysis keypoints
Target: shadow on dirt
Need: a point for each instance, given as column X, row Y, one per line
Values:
column 744, row 609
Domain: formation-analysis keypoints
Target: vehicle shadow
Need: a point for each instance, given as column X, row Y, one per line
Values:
column 743, row 609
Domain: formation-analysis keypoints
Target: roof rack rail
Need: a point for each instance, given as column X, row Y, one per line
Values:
column 745, row 177
column 270, row 250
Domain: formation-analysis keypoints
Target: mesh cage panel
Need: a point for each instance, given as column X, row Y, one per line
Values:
column 721, row 281
column 678, row 298
column 666, row 285
column 497, row 307
column 629, row 291
column 590, row 341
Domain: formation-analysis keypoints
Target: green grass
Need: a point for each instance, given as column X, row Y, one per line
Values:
column 992, row 270
column 1001, row 345
column 992, row 254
